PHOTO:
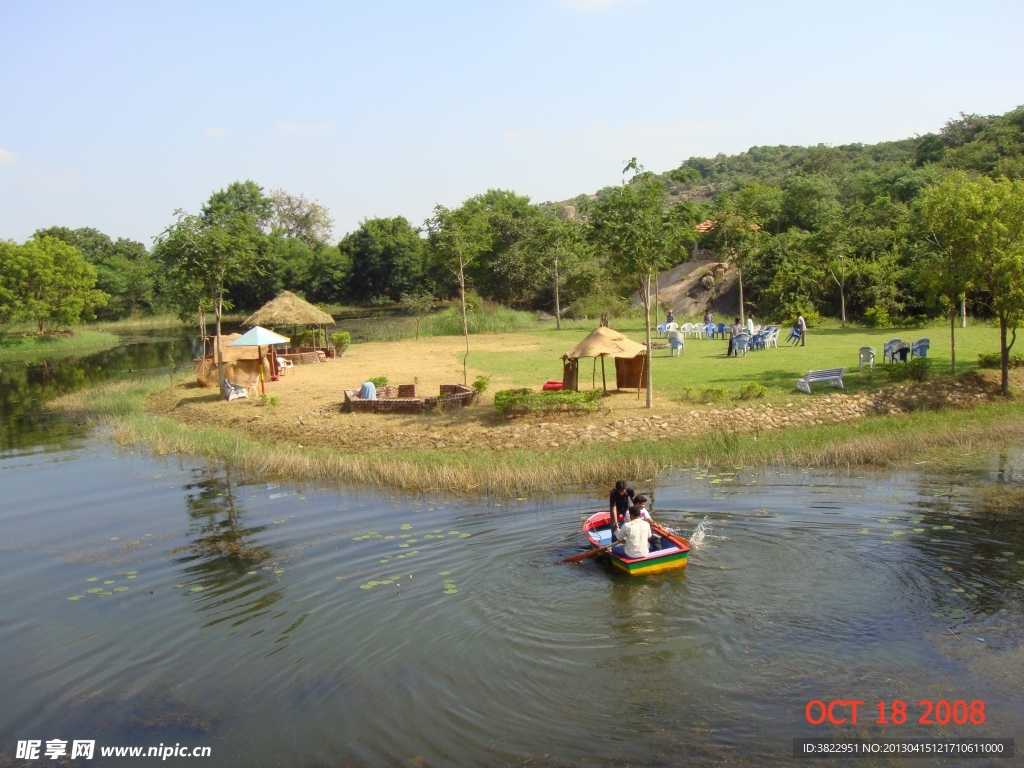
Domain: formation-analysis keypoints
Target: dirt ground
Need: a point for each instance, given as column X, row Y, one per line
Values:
column 311, row 399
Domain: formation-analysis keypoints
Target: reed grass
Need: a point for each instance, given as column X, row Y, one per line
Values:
column 875, row 441
column 27, row 345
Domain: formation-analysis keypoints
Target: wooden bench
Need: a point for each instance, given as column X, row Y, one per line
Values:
column 834, row 376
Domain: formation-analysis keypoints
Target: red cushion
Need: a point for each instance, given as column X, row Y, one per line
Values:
column 552, row 385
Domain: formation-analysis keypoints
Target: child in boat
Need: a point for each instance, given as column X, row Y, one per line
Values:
column 636, row 534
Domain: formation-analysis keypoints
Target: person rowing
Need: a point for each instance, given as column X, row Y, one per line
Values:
column 620, row 500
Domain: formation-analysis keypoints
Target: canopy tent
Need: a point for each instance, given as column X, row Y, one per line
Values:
column 260, row 337
column 630, row 358
column 288, row 309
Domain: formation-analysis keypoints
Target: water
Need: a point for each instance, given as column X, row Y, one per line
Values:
column 280, row 625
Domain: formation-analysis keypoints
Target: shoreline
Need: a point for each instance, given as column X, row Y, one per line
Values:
column 17, row 346
column 882, row 440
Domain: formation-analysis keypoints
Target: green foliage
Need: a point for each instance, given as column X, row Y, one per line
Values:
column 387, row 257
column 46, row 281
column 310, row 337
column 918, row 369
column 518, row 402
column 341, row 341
column 877, row 317
column 994, row 360
column 480, row 384
column 379, row 381
column 704, row 394
column 752, row 390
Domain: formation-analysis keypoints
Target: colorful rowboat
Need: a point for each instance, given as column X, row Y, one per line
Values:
column 598, row 531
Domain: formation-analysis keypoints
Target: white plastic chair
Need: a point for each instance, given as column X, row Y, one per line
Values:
column 867, row 355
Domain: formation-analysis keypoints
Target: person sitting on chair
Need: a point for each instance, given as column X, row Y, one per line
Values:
column 636, row 534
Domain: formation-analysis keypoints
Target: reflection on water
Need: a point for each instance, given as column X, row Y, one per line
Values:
column 151, row 601
column 26, row 386
column 303, row 626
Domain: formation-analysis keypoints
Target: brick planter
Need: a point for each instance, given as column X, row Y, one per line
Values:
column 389, row 400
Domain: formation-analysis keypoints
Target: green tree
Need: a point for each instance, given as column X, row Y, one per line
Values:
column 641, row 233
column 457, row 238
column 202, row 252
column 47, row 281
column 301, row 219
column 555, row 245
column 417, row 305
column 948, row 217
column 737, row 238
column 387, row 258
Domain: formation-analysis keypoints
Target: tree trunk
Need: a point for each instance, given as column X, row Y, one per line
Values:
column 558, row 306
column 743, row 319
column 963, row 310
column 1004, row 357
column 657, row 297
column 42, row 325
column 952, row 338
column 647, row 330
column 842, row 304
column 218, row 309
column 465, row 325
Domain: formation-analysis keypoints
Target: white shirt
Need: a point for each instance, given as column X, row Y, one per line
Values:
column 635, row 533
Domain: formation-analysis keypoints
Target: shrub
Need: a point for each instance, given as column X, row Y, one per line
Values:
column 341, row 341
column 709, row 394
column 517, row 402
column 480, row 385
column 379, row 382
column 752, row 390
column 877, row 317
column 992, row 360
column 918, row 369
column 307, row 337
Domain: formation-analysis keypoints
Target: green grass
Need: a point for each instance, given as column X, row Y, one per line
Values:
column 17, row 345
column 705, row 364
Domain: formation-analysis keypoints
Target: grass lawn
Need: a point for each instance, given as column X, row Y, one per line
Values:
column 704, row 363
column 17, row 345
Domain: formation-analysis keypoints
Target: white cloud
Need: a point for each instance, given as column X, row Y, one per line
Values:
column 7, row 157
column 588, row 5
column 216, row 133
column 302, row 129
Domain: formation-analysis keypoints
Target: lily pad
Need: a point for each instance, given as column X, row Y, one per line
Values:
column 1020, row 581
column 403, row 545
column 120, row 589
column 109, row 581
column 94, row 590
column 864, row 530
column 959, row 589
column 947, row 527
column 956, row 614
column 1008, row 554
column 75, row 597
column 898, row 533
column 252, row 573
column 463, row 535
column 451, row 591
column 389, row 537
column 453, row 533
column 104, row 594
column 366, row 586
column 406, row 527
column 94, row 578
column 938, row 615
column 133, row 573
column 385, row 559
column 999, row 560
column 445, row 573
column 919, row 530
column 115, row 538
column 199, row 588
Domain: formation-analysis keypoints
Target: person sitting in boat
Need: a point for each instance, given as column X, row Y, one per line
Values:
column 619, row 501
column 639, row 512
column 636, row 534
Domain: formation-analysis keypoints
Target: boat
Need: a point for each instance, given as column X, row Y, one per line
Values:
column 597, row 529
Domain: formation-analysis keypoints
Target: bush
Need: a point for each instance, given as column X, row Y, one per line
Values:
column 379, row 382
column 307, row 337
column 341, row 341
column 918, row 369
column 752, row 390
column 480, row 385
column 517, row 402
column 596, row 304
column 705, row 394
column 992, row 360
column 877, row 317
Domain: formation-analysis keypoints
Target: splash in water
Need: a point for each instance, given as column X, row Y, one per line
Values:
column 700, row 533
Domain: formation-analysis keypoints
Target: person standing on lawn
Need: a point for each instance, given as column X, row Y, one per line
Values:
column 801, row 325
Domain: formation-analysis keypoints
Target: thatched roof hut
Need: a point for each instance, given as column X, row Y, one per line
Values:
column 630, row 359
column 604, row 342
column 288, row 309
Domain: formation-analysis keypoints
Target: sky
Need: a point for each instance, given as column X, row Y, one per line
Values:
column 115, row 114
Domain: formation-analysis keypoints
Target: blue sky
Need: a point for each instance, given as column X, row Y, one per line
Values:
column 112, row 115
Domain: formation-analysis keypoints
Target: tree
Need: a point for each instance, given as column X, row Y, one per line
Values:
column 637, row 228
column 47, row 281
column 202, row 252
column 948, row 212
column 417, row 305
column 737, row 238
column 457, row 238
column 554, row 242
column 299, row 218
column 995, row 211
column 387, row 258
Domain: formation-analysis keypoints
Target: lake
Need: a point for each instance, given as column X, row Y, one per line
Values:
column 158, row 601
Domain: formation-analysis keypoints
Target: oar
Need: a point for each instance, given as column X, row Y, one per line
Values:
column 591, row 553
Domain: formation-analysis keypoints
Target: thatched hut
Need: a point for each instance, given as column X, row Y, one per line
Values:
column 290, row 310
column 630, row 357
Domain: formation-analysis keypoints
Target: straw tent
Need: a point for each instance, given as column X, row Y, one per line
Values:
column 240, row 363
column 630, row 359
column 288, row 309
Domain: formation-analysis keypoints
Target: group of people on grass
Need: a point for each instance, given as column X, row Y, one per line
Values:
column 631, row 523
column 797, row 332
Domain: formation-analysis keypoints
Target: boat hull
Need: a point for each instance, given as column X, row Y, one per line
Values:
column 597, row 529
